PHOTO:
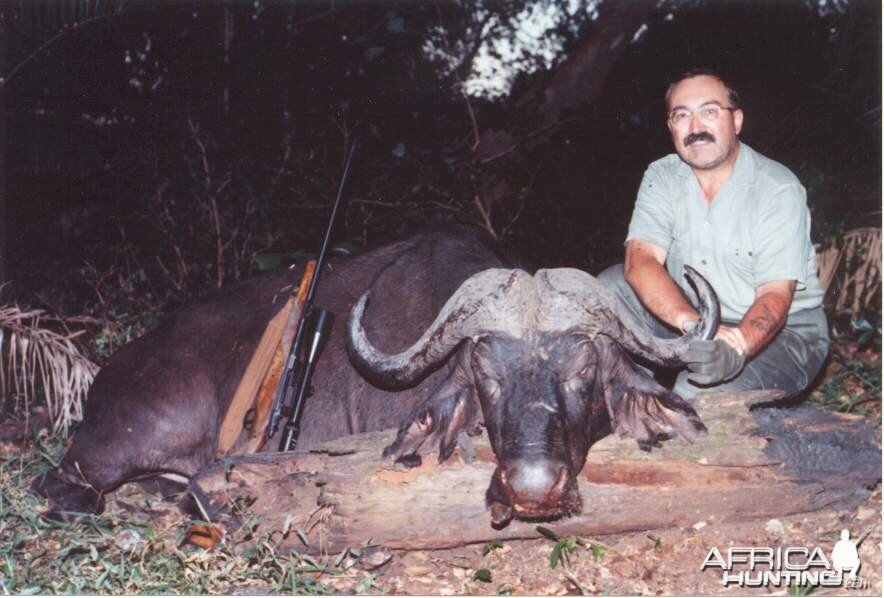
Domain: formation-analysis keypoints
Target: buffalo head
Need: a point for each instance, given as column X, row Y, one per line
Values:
column 540, row 360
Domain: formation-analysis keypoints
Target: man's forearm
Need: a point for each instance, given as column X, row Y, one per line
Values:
column 723, row 359
column 765, row 318
column 652, row 284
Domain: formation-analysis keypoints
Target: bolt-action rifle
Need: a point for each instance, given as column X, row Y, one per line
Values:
column 302, row 357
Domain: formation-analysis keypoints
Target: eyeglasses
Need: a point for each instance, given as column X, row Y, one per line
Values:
column 708, row 114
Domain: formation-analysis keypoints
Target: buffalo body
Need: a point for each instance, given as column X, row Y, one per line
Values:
column 158, row 404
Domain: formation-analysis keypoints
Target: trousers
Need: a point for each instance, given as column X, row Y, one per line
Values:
column 789, row 363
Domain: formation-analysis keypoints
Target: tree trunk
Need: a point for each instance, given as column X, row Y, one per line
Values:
column 576, row 81
column 760, row 464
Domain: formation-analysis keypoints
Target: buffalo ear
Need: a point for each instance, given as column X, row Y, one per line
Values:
column 650, row 415
column 638, row 406
column 439, row 420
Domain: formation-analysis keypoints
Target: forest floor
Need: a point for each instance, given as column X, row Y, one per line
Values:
column 660, row 562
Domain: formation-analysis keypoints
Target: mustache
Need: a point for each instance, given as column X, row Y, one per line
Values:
column 701, row 136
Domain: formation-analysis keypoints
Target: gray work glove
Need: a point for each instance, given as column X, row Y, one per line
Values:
column 713, row 361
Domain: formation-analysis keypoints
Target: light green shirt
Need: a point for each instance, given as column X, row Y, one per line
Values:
column 755, row 230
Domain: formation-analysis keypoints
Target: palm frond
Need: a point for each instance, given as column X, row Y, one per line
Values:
column 854, row 267
column 34, row 358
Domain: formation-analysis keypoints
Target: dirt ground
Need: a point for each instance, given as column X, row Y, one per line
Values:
column 658, row 562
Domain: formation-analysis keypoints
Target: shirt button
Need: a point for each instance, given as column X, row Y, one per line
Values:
column 703, row 262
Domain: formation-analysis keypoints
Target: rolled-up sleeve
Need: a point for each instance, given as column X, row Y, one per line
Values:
column 782, row 239
column 653, row 216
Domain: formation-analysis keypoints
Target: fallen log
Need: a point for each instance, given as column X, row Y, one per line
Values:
column 758, row 463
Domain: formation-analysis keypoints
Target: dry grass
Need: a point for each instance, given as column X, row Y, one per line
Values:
column 35, row 359
column 854, row 267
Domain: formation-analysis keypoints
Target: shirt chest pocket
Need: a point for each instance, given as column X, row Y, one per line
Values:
column 738, row 257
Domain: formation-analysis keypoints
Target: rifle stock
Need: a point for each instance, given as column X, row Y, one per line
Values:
column 269, row 413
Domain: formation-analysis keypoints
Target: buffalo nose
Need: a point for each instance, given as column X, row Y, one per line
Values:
column 533, row 484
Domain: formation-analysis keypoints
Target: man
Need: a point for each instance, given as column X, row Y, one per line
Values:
column 741, row 220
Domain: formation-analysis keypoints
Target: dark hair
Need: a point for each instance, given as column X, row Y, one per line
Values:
column 732, row 95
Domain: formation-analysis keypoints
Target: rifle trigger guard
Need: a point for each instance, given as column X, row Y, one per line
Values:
column 248, row 420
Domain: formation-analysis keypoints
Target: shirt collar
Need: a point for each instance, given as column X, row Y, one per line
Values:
column 744, row 168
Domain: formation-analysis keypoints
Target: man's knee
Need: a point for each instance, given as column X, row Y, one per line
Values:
column 747, row 380
column 614, row 280
column 612, row 276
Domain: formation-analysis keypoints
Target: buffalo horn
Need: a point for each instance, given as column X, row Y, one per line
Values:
column 491, row 301
column 574, row 299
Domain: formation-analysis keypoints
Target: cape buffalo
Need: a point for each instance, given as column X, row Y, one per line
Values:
column 543, row 390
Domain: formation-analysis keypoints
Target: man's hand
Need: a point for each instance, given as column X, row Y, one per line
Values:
column 733, row 336
column 713, row 361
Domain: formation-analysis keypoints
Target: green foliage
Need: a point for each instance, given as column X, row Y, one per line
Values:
column 853, row 385
column 483, row 575
column 492, row 545
column 565, row 546
column 561, row 552
column 868, row 334
column 547, row 533
column 136, row 551
column 115, row 333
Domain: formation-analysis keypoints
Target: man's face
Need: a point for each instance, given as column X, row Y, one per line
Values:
column 706, row 134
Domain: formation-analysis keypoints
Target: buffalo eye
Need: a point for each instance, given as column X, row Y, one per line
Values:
column 575, row 383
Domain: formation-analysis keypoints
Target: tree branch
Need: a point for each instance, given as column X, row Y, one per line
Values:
column 66, row 28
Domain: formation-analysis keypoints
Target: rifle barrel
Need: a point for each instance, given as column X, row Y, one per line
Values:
column 300, row 378
column 326, row 240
